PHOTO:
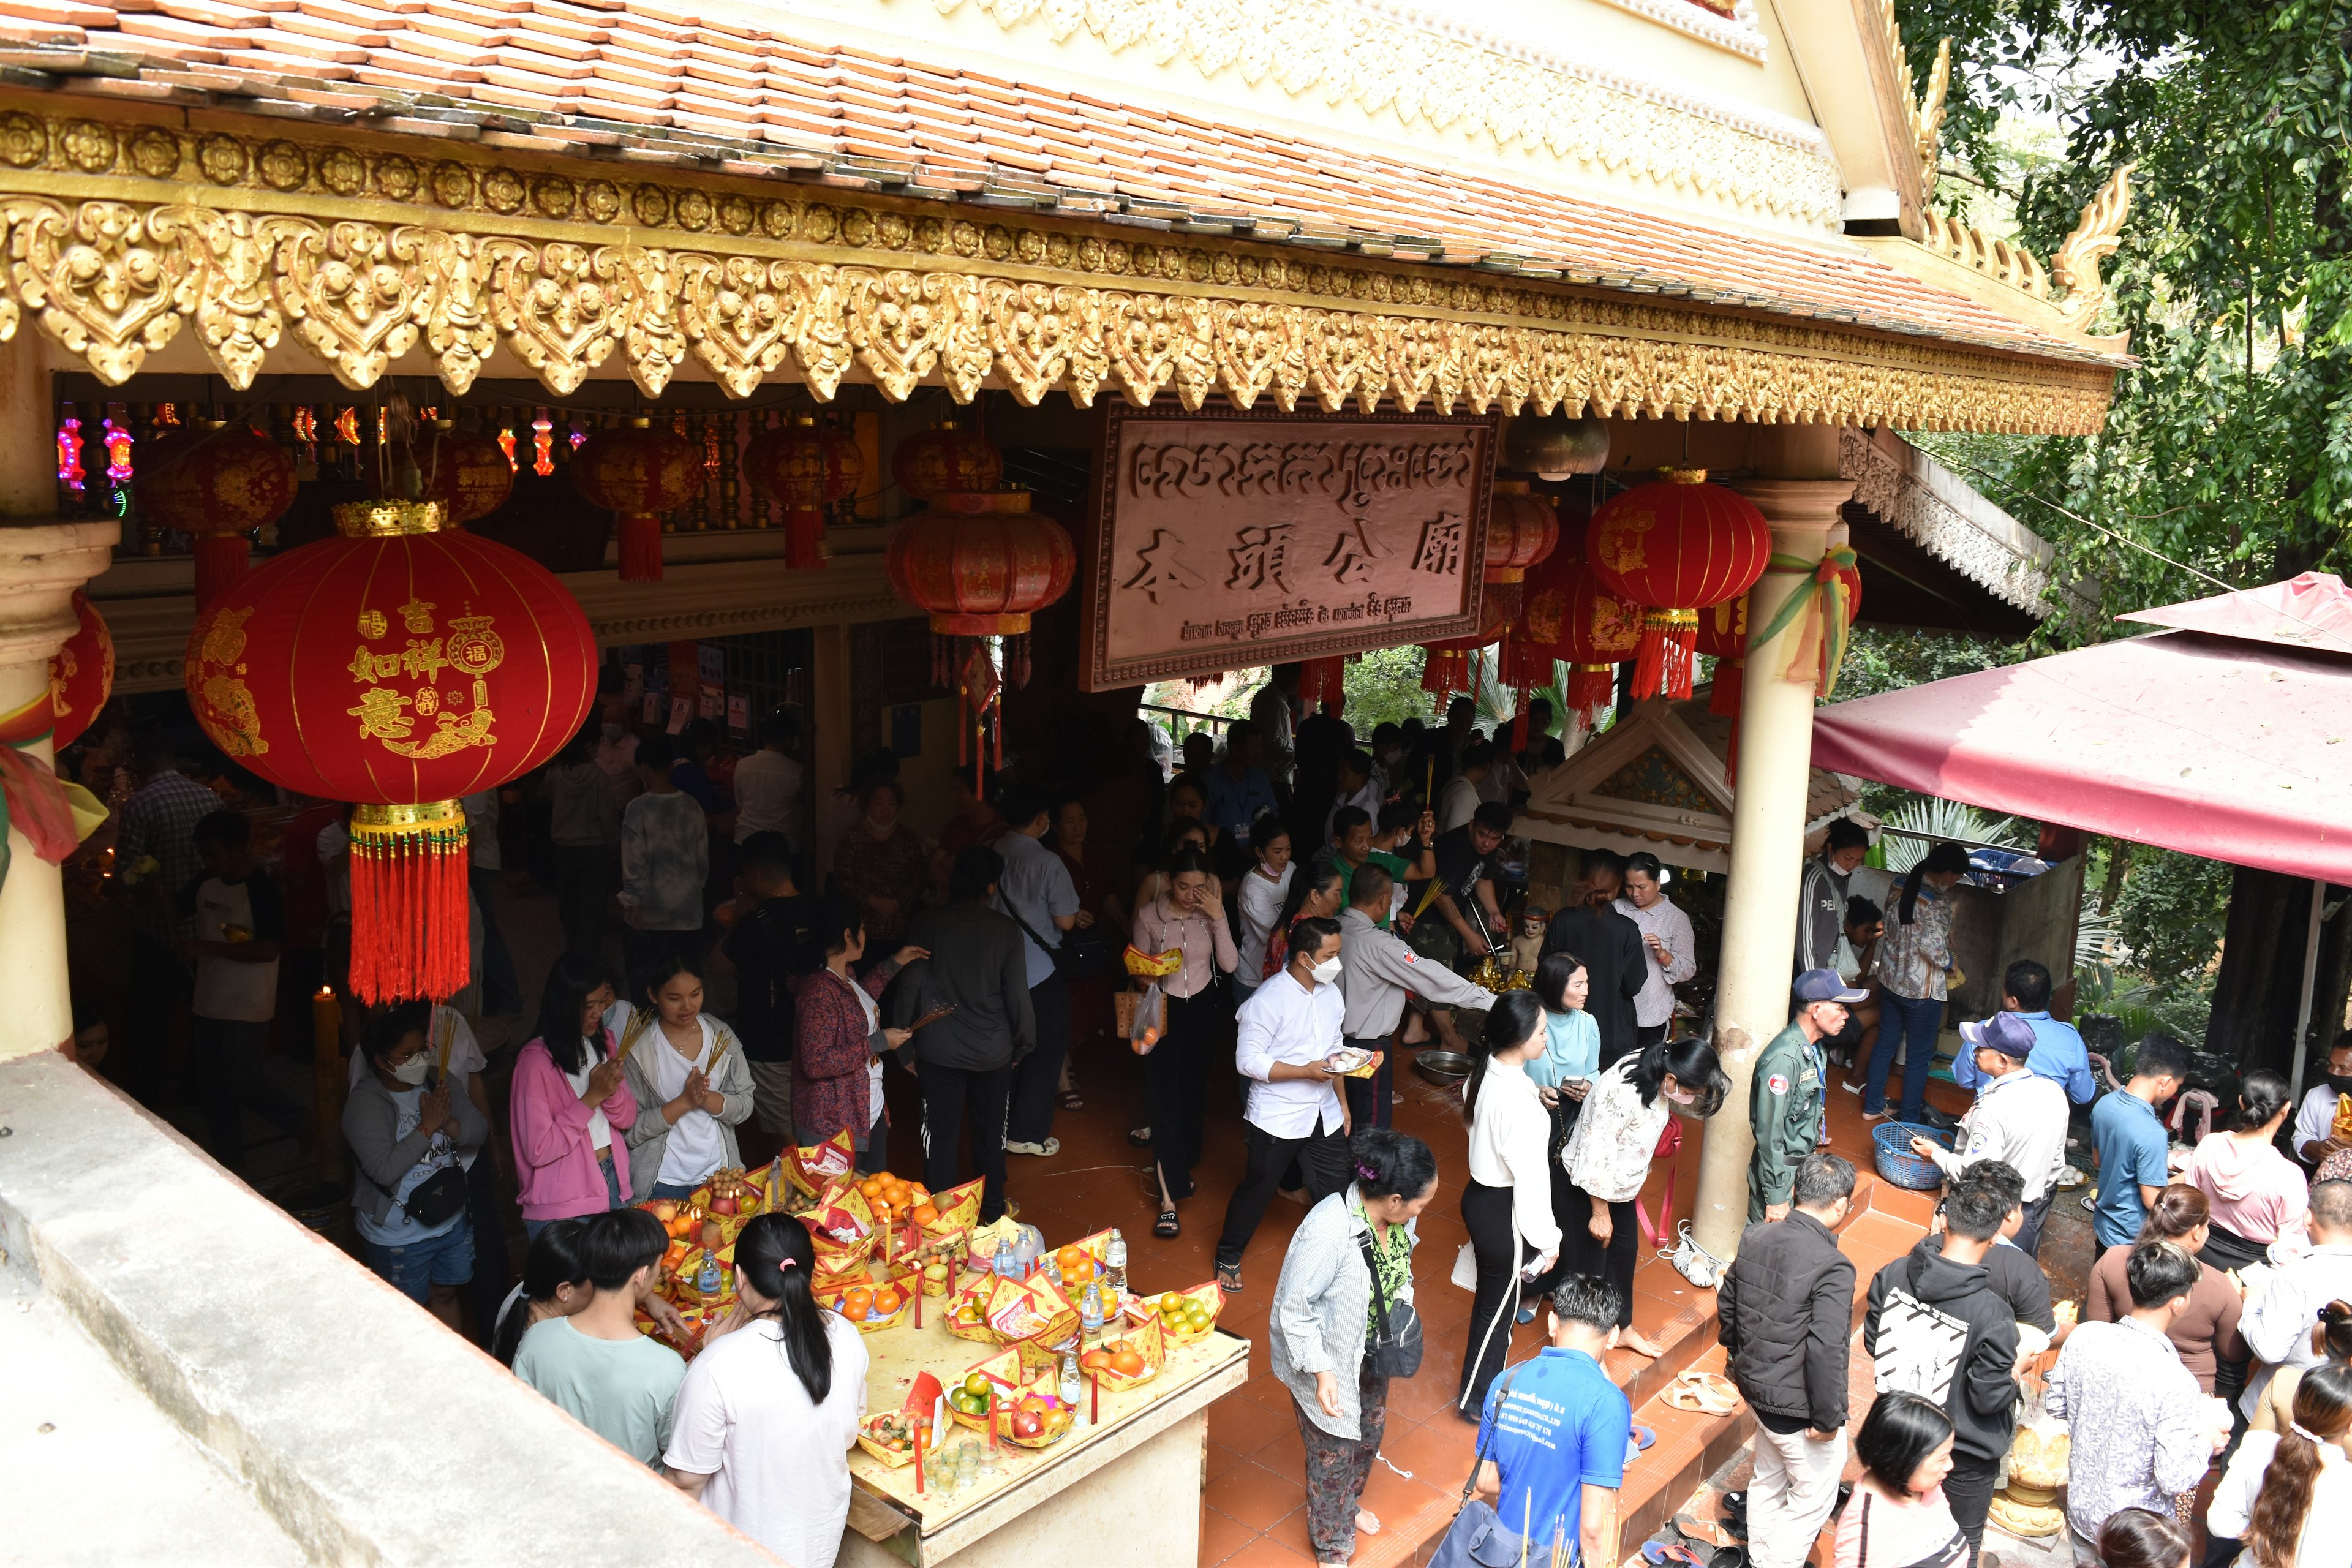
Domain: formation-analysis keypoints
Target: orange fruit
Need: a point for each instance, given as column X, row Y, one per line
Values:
column 1082, row 1273
column 856, row 1300
column 1172, row 1302
column 888, row 1301
column 925, row 1215
column 1127, row 1360
column 870, row 1188
column 1095, row 1360
column 1068, row 1258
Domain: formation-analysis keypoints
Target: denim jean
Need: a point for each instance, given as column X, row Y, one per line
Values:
column 1917, row 1022
column 532, row 1228
column 414, row 1270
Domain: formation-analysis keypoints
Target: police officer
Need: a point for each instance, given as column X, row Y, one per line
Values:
column 1785, row 1098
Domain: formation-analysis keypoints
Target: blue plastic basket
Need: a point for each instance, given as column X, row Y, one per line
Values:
column 1899, row 1164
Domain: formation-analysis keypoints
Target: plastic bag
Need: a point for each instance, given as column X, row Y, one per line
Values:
column 1151, row 1020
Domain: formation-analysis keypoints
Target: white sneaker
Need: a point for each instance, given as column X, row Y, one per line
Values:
column 1050, row 1146
column 1850, row 1087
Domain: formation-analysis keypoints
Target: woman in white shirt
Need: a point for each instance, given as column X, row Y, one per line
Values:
column 763, row 1424
column 1608, row 1153
column 1507, row 1206
column 688, row 1074
column 2288, row 1497
column 1263, row 888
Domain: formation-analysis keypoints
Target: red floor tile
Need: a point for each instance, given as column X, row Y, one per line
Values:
column 1265, row 1553
column 1222, row 1535
column 1257, row 1496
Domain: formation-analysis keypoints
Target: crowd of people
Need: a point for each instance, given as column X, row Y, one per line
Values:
column 1303, row 909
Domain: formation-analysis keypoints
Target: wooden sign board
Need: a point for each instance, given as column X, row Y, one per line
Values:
column 1224, row 539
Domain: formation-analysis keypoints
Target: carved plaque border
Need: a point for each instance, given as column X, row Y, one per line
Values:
column 1103, row 672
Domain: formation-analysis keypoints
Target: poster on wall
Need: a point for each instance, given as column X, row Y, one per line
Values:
column 1225, row 539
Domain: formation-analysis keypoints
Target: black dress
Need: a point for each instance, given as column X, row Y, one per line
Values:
column 1614, row 964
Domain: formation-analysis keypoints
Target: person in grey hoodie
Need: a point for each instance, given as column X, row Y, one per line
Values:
column 1821, row 896
column 1318, row 1330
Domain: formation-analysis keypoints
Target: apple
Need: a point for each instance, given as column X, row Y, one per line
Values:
column 665, row 1210
column 712, row 1236
column 1027, row 1424
column 722, row 1205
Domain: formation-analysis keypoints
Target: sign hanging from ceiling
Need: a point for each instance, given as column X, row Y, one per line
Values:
column 1225, row 540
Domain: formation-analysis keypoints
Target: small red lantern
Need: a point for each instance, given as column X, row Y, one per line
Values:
column 804, row 468
column 1522, row 530
column 1674, row 547
column 947, row 460
column 1446, row 667
column 402, row 667
column 216, row 483
column 469, row 474
column 81, row 674
column 1324, row 680
column 1597, row 631
column 981, row 565
column 1723, row 637
column 638, row 472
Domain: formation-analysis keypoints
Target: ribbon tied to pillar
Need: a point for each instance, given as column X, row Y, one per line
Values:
column 53, row 814
column 1822, row 612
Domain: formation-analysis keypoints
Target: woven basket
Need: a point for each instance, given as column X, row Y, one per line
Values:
column 1899, row 1164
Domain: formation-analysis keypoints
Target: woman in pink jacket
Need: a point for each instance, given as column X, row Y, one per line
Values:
column 2257, row 1194
column 570, row 1103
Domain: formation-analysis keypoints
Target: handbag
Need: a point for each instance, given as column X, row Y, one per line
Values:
column 437, row 1198
column 1478, row 1537
column 1084, row 953
column 1396, row 1351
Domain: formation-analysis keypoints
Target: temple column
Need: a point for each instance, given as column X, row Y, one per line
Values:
column 42, row 562
column 1797, row 489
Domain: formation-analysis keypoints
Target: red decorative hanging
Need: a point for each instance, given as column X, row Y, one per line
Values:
column 1723, row 637
column 1676, row 546
column 398, row 666
column 469, row 474
column 947, row 460
column 1522, row 529
column 1446, row 667
column 638, row 472
column 1597, row 631
column 81, row 674
column 1324, row 680
column 804, row 469
column 216, row 483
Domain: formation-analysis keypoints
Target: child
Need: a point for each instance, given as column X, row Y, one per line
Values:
column 239, row 923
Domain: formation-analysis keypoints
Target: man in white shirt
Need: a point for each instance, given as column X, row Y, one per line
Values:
column 1357, row 788
column 768, row 783
column 2315, row 1120
column 2019, row 1118
column 239, row 924
column 2284, row 1303
column 1377, row 973
column 1037, row 890
column 1461, row 798
column 1288, row 1034
column 1667, row 942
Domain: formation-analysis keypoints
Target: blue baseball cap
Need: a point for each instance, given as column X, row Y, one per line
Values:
column 1827, row 985
column 2004, row 1032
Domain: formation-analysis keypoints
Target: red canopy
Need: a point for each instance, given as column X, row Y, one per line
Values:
column 2231, row 740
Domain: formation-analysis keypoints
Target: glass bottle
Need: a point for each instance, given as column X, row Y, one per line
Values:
column 1072, row 1384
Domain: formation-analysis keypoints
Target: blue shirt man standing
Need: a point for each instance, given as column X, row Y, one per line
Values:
column 1551, row 1443
column 2132, row 1143
column 2059, row 1053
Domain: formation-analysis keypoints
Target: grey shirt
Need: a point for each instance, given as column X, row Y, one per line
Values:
column 1321, row 1304
column 380, row 1158
column 1037, row 890
column 665, row 860
column 1376, row 970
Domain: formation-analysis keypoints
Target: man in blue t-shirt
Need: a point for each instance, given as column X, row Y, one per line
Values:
column 2059, row 1054
column 1552, row 1441
column 2132, row 1143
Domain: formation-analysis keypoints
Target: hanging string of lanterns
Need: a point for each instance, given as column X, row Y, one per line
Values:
column 1673, row 547
column 804, row 468
column 216, row 482
column 638, row 471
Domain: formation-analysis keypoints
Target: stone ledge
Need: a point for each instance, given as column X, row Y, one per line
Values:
column 364, row 1429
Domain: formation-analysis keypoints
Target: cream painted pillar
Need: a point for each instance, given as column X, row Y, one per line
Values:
column 1768, row 824
column 829, row 757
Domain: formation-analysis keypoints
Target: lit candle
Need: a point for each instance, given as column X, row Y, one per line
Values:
column 1094, row 1404
column 326, row 1021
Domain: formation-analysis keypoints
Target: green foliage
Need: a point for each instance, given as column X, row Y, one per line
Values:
column 1384, row 688
column 2171, row 917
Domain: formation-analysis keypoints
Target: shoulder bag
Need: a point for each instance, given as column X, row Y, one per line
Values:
column 1478, row 1537
column 1082, row 951
column 1395, row 1350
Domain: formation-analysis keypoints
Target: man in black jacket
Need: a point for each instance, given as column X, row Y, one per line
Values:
column 1609, row 946
column 964, row 1056
column 1787, row 1314
column 1937, row 1327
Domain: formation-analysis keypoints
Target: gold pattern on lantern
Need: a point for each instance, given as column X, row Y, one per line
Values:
column 372, row 623
column 417, row 614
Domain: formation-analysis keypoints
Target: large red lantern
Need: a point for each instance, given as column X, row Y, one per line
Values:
column 1522, row 530
column 400, row 666
column 981, row 565
column 469, row 474
column 1676, row 546
column 215, row 482
column 81, row 674
column 947, row 460
column 1598, row 632
column 804, row 468
column 638, row 472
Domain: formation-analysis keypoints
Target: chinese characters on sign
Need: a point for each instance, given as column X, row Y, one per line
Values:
column 1225, row 540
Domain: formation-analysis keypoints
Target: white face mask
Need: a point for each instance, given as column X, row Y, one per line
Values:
column 1327, row 971
column 414, row 1070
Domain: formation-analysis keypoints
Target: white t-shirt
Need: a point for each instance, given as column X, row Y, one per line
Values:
column 2324, row 1528
column 694, row 1149
column 482, row 851
column 767, row 795
column 226, row 989
column 874, row 1068
column 2316, row 1118
column 1261, row 903
column 1457, row 803
column 779, row 1465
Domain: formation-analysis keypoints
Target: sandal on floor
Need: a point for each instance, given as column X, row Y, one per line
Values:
column 1069, row 1100
column 1659, row 1553
column 1229, row 1278
column 1166, row 1225
column 1707, row 1393
column 1139, row 1136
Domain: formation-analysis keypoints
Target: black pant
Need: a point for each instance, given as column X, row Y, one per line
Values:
column 1570, row 1207
column 1176, row 1088
column 586, row 877
column 1322, row 1156
column 490, row 1240
column 156, row 1000
column 227, row 1058
column 1371, row 1101
column 1486, row 1215
column 501, row 991
column 2226, row 1250
column 1969, row 1488
column 1648, row 1035
column 954, row 1097
column 2029, row 1235
column 1582, row 1252
column 1039, row 1077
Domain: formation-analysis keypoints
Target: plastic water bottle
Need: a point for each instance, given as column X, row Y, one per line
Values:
column 1072, row 1384
column 1007, row 1266
column 706, row 1281
column 1090, row 1315
column 1027, row 1251
column 1050, row 1268
column 1113, row 1268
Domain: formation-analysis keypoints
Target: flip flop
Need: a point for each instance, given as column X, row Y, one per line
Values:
column 1705, row 1392
column 1229, row 1278
column 1641, row 1437
column 1660, row 1553
column 1166, row 1225
column 1069, row 1100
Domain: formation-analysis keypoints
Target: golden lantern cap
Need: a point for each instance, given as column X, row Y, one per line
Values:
column 641, row 422
column 808, row 420
column 384, row 519
column 1675, row 476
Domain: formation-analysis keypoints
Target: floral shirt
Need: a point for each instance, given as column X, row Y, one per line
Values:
column 1609, row 1152
column 1393, row 1260
column 2137, row 1417
column 1912, row 957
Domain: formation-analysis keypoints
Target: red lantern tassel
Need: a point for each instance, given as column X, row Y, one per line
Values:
column 804, row 541
column 641, row 547
column 410, row 925
column 1730, row 680
column 1591, row 686
column 221, row 560
column 1663, row 661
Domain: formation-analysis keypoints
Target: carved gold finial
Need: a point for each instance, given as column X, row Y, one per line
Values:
column 2075, row 266
column 1927, row 119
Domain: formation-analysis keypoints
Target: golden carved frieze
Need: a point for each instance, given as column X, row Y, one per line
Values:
column 255, row 243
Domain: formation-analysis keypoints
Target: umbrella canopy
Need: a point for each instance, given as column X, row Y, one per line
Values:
column 2228, row 735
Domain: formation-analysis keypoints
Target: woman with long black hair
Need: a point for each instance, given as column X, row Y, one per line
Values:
column 764, row 1421
column 555, row 1285
column 689, row 1072
column 2288, row 1495
column 569, row 1105
column 1316, row 892
column 1608, row 1153
column 1506, row 1203
column 1186, row 919
column 1915, row 957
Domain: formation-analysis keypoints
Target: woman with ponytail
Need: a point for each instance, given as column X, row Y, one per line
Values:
column 1506, row 1205
column 555, row 1285
column 2258, row 1193
column 2288, row 1497
column 769, row 1411
column 1915, row 957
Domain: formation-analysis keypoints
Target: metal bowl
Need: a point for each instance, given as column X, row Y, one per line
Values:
column 1444, row 1069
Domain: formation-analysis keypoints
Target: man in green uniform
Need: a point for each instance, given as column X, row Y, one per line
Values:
column 1785, row 1102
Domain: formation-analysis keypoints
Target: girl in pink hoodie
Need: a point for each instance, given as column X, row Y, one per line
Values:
column 571, row 1103
column 2257, row 1194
